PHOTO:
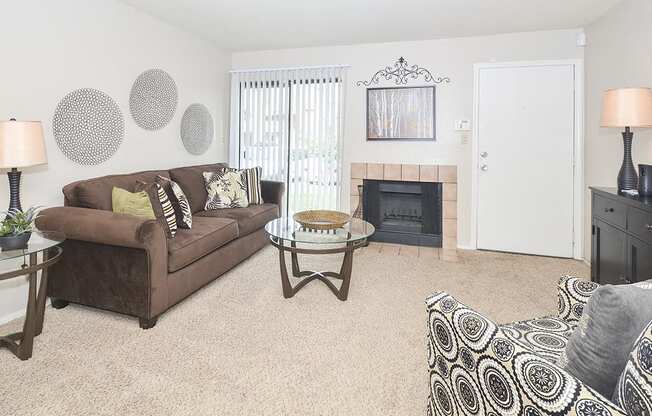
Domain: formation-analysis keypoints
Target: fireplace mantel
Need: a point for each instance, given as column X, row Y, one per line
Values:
column 444, row 174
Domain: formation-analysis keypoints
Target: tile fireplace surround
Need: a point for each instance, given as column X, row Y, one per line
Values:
column 446, row 175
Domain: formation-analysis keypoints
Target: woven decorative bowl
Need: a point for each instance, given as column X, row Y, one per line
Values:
column 321, row 219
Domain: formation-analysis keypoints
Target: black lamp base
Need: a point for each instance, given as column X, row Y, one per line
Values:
column 627, row 177
column 14, row 190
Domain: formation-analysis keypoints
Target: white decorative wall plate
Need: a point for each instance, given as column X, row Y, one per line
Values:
column 153, row 99
column 197, row 129
column 88, row 126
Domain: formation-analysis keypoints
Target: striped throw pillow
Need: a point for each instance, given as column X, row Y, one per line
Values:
column 179, row 201
column 168, row 211
column 251, row 178
column 162, row 206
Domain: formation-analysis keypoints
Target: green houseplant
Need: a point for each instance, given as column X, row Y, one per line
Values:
column 16, row 228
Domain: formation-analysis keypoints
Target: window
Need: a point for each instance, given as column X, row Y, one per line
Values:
column 290, row 122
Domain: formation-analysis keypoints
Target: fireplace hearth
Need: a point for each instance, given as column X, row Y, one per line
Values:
column 404, row 212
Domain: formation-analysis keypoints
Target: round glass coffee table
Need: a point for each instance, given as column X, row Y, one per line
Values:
column 49, row 245
column 284, row 234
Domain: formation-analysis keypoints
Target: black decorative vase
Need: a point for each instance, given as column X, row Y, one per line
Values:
column 627, row 177
column 15, row 242
column 645, row 180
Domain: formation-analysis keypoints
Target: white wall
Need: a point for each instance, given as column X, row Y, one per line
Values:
column 453, row 58
column 50, row 48
column 617, row 55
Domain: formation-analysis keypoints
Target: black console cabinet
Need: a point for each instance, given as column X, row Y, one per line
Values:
column 621, row 247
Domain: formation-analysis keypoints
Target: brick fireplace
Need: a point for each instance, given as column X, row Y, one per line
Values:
column 411, row 176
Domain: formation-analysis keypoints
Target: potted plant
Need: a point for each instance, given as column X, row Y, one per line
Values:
column 16, row 228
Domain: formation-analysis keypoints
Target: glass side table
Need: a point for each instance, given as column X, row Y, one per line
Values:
column 49, row 244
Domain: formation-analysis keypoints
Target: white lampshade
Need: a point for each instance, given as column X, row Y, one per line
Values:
column 21, row 144
column 627, row 107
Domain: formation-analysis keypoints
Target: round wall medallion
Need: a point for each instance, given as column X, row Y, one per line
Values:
column 88, row 126
column 197, row 129
column 153, row 99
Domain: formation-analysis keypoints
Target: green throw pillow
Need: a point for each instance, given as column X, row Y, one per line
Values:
column 132, row 203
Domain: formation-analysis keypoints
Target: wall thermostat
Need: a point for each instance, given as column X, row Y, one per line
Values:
column 462, row 125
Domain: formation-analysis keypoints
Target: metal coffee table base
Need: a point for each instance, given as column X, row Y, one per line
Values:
column 308, row 276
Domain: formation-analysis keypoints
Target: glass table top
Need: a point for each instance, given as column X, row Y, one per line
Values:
column 289, row 230
column 38, row 242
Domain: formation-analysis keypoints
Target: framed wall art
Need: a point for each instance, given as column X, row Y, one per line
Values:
column 401, row 113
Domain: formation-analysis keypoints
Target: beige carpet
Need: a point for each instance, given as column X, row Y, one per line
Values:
column 238, row 348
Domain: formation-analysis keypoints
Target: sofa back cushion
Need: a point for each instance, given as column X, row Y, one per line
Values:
column 96, row 193
column 191, row 180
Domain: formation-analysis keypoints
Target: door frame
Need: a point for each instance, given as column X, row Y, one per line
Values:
column 578, row 146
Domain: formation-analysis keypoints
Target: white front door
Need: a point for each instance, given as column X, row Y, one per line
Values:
column 525, row 183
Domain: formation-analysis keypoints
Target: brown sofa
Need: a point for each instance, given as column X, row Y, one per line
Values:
column 126, row 264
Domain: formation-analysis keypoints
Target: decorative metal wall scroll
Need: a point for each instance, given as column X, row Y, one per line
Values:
column 401, row 73
column 88, row 126
column 197, row 129
column 153, row 99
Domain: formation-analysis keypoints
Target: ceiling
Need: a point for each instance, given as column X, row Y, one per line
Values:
column 239, row 25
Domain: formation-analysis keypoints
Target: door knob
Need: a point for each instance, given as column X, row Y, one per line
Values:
column 484, row 154
column 484, row 168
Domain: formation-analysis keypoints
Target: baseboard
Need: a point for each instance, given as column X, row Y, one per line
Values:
column 461, row 247
column 17, row 315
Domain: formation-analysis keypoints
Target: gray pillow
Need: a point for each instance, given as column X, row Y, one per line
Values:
column 612, row 320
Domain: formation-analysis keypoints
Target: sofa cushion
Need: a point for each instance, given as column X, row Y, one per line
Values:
column 613, row 318
column 226, row 189
column 179, row 201
column 634, row 388
column 206, row 236
column 132, row 203
column 252, row 179
column 191, row 180
column 249, row 219
column 162, row 206
column 96, row 193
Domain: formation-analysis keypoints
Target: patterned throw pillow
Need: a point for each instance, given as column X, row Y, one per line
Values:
column 251, row 178
column 226, row 189
column 179, row 202
column 634, row 389
column 162, row 206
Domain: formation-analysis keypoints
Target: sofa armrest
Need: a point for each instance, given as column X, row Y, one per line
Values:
column 273, row 192
column 102, row 227
column 476, row 369
column 121, row 230
column 572, row 295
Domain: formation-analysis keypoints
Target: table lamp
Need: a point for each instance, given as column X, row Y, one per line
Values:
column 21, row 146
column 627, row 107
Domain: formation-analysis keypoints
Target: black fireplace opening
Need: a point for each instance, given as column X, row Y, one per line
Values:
column 404, row 212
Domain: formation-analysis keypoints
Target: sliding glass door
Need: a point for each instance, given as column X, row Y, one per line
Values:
column 290, row 123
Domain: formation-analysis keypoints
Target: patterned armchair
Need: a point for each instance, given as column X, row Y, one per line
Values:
column 480, row 368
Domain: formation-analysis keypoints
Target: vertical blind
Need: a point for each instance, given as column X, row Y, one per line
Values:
column 291, row 122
